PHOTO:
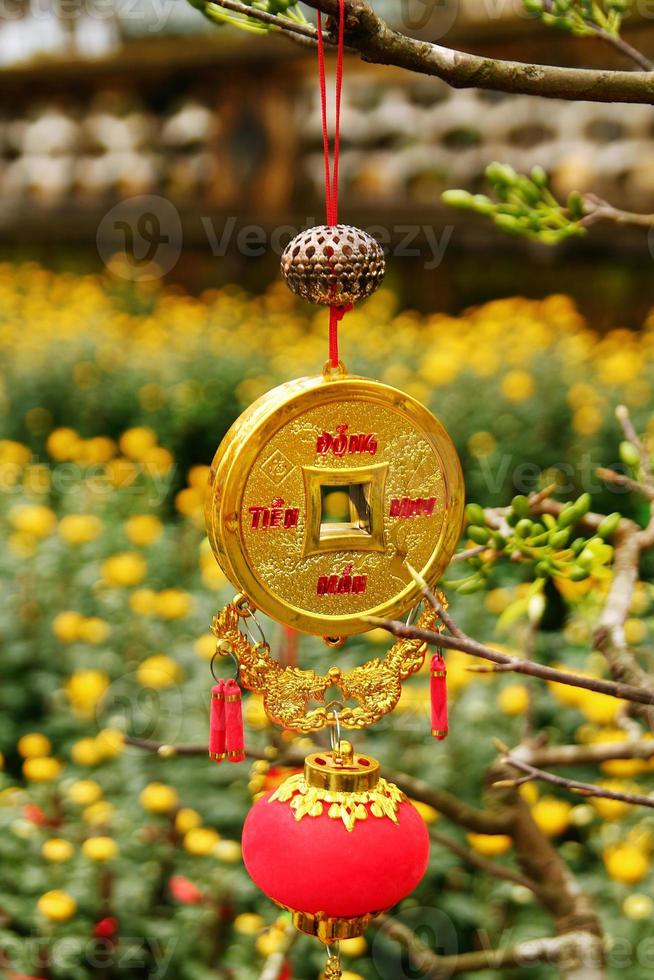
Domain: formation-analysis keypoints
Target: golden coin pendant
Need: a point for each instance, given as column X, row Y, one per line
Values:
column 321, row 493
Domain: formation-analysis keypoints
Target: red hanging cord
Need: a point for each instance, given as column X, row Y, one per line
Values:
column 336, row 313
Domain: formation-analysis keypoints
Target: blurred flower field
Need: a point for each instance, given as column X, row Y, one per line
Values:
column 113, row 398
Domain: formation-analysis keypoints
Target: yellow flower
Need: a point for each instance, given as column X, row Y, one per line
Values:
column 158, row 798
column 601, row 709
column 95, row 451
column 159, row 671
column 83, row 792
column 254, row 713
column 41, row 770
column 80, row 528
column 621, row 768
column 94, row 630
column 213, row 576
column 143, row 529
column 626, row 863
column 85, row 689
column 551, row 815
column 111, row 742
column 173, row 604
column 22, row 545
column 198, row 477
column 514, row 699
column 33, row 745
column 121, row 473
column 638, row 908
column 143, row 602
column 100, row 848
column 271, row 941
column 518, row 386
column 613, row 809
column 228, row 851
column 58, row 906
column 187, row 819
column 427, row 812
column 201, row 841
column 14, row 453
column 86, row 752
column 248, row 924
column 353, row 947
column 57, row 850
column 205, row 646
column 482, row 444
column 66, row 626
column 587, row 420
column 34, row 519
column 189, row 502
column 134, row 443
column 635, row 631
column 98, row 814
column 125, row 569
column 158, row 461
column 490, row 845
column 62, row 444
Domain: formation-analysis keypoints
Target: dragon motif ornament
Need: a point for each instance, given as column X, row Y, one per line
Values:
column 289, row 692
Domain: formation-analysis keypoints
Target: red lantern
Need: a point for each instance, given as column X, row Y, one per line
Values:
column 336, row 845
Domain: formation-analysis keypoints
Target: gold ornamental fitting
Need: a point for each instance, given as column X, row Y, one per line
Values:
column 329, row 930
column 341, row 770
column 322, row 497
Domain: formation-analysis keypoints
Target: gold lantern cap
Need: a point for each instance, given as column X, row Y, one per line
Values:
column 341, row 770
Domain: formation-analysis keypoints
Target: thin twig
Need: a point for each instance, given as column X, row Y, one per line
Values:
column 284, row 24
column 477, row 861
column 466, row 644
column 575, row 786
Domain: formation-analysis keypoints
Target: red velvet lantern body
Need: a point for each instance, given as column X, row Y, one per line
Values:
column 330, row 854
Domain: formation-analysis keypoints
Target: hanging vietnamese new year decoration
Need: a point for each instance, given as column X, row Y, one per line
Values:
column 271, row 533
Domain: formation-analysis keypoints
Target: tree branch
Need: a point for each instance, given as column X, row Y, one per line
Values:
column 559, row 949
column 600, row 210
column 376, row 42
column 466, row 644
column 477, row 861
column 579, row 755
column 574, row 786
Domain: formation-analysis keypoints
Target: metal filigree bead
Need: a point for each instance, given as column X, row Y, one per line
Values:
column 333, row 266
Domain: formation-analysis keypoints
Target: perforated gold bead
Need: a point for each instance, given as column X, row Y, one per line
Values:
column 333, row 265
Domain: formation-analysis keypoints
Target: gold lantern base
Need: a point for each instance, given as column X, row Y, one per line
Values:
column 329, row 930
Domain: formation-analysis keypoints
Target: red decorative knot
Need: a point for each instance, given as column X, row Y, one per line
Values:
column 342, row 444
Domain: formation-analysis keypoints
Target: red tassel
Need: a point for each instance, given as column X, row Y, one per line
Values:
column 235, row 741
column 439, row 723
column 217, row 723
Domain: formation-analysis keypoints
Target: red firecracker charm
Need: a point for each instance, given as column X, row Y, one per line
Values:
column 217, row 723
column 336, row 845
column 439, row 721
column 234, row 737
